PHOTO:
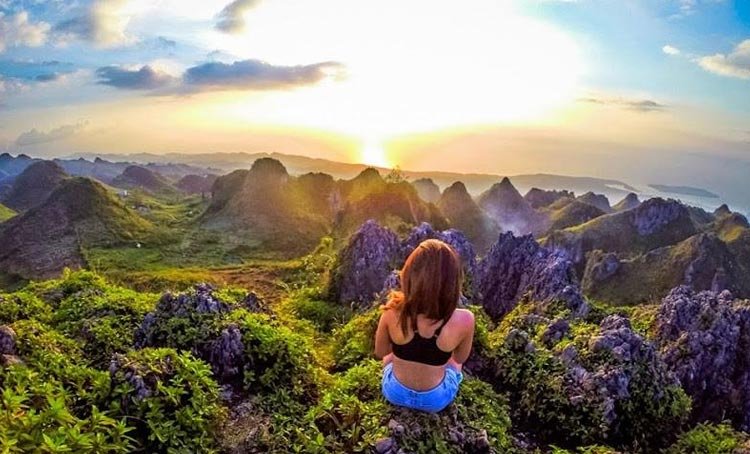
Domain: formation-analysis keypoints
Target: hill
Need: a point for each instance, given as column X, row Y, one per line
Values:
column 427, row 189
column 395, row 204
column 598, row 200
column 196, row 184
column 702, row 262
column 569, row 213
column 509, row 209
column 655, row 223
column 629, row 202
column 265, row 207
column 137, row 177
column 34, row 185
column 465, row 215
column 540, row 198
column 79, row 214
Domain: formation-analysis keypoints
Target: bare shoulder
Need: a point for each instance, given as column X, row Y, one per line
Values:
column 389, row 316
column 464, row 317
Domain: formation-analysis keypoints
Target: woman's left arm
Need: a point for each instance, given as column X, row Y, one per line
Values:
column 382, row 337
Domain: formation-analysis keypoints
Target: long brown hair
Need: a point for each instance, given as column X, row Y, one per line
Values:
column 431, row 281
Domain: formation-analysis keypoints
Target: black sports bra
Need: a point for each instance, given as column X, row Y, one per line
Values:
column 423, row 350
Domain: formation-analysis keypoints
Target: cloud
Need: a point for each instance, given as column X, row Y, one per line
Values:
column 258, row 75
column 30, row 70
column 102, row 23
column 16, row 30
column 735, row 64
column 35, row 137
column 145, row 78
column 670, row 50
column 639, row 105
column 231, row 19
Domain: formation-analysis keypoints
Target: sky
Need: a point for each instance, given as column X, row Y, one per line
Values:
column 644, row 90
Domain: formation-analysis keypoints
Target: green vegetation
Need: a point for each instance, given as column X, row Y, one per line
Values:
column 6, row 213
column 711, row 439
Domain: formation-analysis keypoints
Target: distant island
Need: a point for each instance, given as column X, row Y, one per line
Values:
column 684, row 190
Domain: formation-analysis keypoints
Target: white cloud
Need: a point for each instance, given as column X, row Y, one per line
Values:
column 35, row 137
column 103, row 23
column 231, row 19
column 670, row 50
column 17, row 30
column 735, row 64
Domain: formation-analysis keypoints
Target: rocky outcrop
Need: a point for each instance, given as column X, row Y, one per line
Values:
column 570, row 380
column 465, row 215
column 34, row 185
column 598, row 200
column 509, row 209
column 367, row 267
column 704, row 337
column 628, row 203
column 516, row 267
column 540, row 198
column 427, row 189
column 363, row 265
column 722, row 211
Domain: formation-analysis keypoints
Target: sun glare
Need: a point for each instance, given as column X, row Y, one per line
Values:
column 490, row 64
column 373, row 154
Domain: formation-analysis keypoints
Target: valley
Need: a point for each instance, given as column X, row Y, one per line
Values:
column 181, row 307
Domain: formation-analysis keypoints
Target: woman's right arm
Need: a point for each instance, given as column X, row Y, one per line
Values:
column 462, row 352
column 382, row 337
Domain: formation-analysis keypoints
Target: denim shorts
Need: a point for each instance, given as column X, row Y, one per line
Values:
column 431, row 401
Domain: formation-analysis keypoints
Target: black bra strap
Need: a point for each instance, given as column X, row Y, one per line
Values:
column 440, row 328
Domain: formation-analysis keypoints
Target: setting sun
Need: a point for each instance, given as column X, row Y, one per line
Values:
column 373, row 154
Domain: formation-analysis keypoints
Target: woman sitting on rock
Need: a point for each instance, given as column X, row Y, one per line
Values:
column 422, row 337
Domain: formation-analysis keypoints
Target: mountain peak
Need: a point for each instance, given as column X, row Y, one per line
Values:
column 34, row 185
column 629, row 202
column 269, row 166
column 723, row 210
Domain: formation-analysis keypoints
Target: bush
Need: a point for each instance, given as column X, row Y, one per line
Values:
column 711, row 439
column 324, row 315
column 104, row 319
column 575, row 383
column 38, row 414
column 23, row 305
column 353, row 416
column 355, row 341
column 275, row 358
column 170, row 398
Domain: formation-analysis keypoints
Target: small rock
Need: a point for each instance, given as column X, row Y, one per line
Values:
column 384, row 445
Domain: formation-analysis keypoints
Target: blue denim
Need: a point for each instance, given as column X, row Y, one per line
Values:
column 431, row 401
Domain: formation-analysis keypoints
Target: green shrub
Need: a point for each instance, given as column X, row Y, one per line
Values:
column 352, row 416
column 324, row 315
column 170, row 398
column 711, row 439
column 631, row 403
column 38, row 414
column 104, row 319
column 276, row 359
column 355, row 341
column 23, row 305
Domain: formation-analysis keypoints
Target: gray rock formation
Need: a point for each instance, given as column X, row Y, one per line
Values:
column 516, row 267
column 705, row 339
column 364, row 264
column 598, row 200
column 628, row 203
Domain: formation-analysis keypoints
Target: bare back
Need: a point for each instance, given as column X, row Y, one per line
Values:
column 456, row 337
